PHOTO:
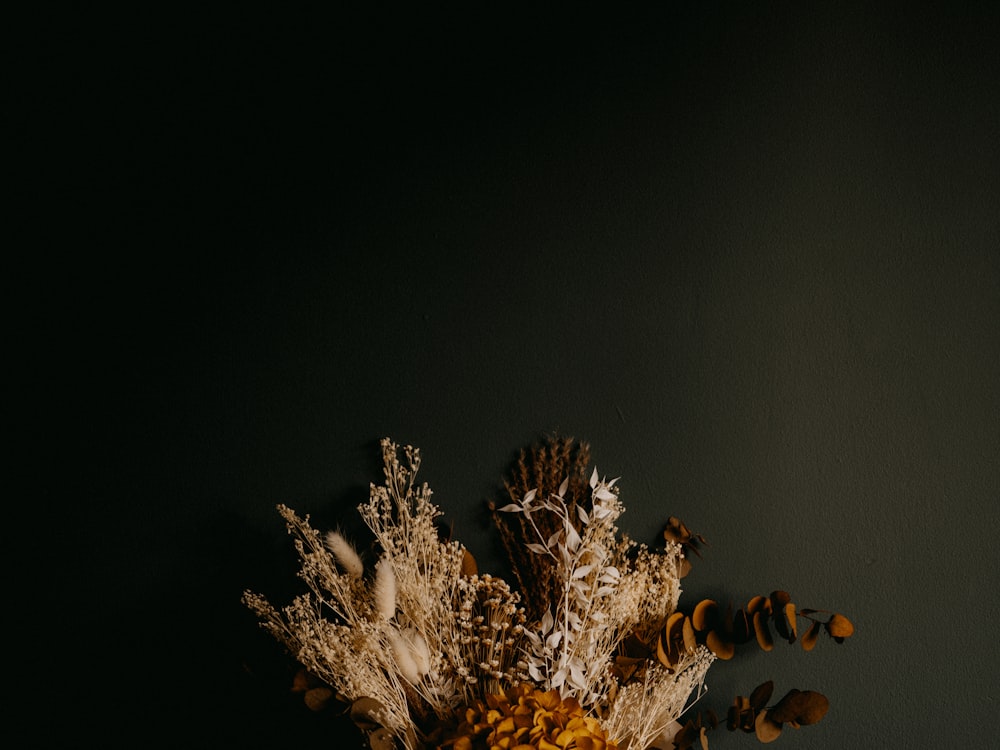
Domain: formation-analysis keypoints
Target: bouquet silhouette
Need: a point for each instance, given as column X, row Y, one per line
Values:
column 588, row 649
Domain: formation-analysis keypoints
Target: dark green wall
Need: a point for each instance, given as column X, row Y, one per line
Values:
column 751, row 255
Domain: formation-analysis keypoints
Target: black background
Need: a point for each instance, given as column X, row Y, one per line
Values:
column 748, row 251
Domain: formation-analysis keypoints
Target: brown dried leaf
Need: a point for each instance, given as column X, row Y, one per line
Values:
column 626, row 666
column 740, row 715
column 742, row 627
column 381, row 739
column 676, row 531
column 302, row 681
column 705, row 615
column 759, row 604
column 801, row 707
column 684, row 737
column 791, row 622
column 363, row 712
column 779, row 600
column 633, row 647
column 718, row 645
column 767, row 729
column 663, row 654
column 732, row 719
column 318, row 698
column 469, row 566
column 761, row 695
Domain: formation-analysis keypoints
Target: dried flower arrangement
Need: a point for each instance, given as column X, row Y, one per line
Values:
column 590, row 651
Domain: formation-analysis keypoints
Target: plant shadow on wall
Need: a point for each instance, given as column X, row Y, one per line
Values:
column 590, row 649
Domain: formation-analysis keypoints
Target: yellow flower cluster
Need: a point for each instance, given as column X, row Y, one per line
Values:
column 525, row 718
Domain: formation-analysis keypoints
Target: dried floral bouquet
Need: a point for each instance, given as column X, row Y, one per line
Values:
column 589, row 651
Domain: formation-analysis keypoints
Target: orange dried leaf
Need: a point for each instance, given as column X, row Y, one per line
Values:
column 669, row 640
column 705, row 615
column 766, row 728
column 690, row 642
column 811, row 636
column 840, row 627
column 764, row 639
column 674, row 624
column 759, row 604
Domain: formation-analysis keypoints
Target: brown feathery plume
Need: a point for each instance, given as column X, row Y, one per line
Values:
column 542, row 468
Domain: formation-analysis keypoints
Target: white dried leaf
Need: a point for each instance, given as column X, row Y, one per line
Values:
column 558, row 678
column 547, row 621
column 572, row 537
column 610, row 574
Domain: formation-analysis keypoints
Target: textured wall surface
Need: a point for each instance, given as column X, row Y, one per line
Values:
column 752, row 256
